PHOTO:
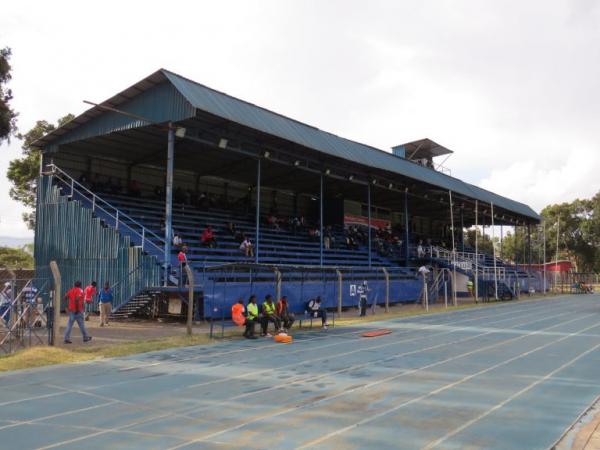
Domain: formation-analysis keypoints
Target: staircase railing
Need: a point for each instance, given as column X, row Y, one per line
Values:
column 128, row 287
column 121, row 221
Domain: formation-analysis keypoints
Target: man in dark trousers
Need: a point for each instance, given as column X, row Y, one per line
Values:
column 269, row 315
column 75, row 307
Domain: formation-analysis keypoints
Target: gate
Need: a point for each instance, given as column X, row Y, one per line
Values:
column 25, row 312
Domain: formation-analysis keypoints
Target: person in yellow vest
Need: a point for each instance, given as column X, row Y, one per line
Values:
column 269, row 315
column 239, row 318
column 470, row 287
column 252, row 314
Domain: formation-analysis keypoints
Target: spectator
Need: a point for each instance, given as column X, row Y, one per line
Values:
column 327, row 238
column 247, row 248
column 75, row 307
column 272, row 221
column 182, row 258
column 470, row 287
column 105, row 298
column 89, row 292
column 252, row 309
column 420, row 250
column 269, row 315
column 315, row 310
column 5, row 301
column 178, row 195
column 177, row 241
column 159, row 193
column 239, row 318
column 208, row 237
column 283, row 312
column 134, row 189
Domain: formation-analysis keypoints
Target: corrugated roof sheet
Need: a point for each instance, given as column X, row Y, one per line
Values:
column 252, row 116
column 227, row 107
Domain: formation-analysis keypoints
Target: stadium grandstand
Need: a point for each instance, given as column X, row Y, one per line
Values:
column 132, row 183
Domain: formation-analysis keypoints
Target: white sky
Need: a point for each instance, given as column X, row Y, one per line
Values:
column 510, row 86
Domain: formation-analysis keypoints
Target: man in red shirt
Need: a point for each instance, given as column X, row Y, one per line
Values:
column 208, row 237
column 182, row 258
column 88, row 298
column 75, row 297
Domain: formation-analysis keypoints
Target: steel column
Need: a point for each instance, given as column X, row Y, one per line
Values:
column 494, row 254
column 369, row 220
column 406, row 246
column 257, row 230
column 321, row 222
column 453, row 248
column 169, row 201
column 476, row 277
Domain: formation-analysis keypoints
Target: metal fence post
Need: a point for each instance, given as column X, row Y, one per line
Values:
column 190, row 310
column 277, row 283
column 425, row 293
column 386, row 276
column 339, row 279
column 56, row 301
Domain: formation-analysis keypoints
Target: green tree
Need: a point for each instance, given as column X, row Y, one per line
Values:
column 15, row 258
column 22, row 172
column 8, row 118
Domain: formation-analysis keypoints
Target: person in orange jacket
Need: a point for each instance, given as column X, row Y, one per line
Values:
column 238, row 315
column 282, row 310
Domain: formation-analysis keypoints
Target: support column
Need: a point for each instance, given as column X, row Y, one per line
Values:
column 321, row 222
column 257, row 225
column 169, row 201
column 476, row 275
column 453, row 248
column 369, row 219
column 406, row 246
column 462, row 228
column 494, row 254
column 544, row 254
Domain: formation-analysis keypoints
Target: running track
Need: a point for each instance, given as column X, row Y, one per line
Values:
column 507, row 376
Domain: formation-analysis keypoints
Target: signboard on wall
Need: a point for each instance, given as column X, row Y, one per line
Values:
column 350, row 219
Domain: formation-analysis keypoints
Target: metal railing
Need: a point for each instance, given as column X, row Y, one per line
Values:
column 121, row 221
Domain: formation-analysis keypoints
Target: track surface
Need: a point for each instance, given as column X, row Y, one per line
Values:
column 508, row 376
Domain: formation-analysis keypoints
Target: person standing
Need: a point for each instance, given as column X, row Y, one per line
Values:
column 362, row 298
column 88, row 297
column 75, row 307
column 182, row 258
column 105, row 298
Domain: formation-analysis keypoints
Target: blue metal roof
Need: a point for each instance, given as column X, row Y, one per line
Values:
column 252, row 116
column 191, row 95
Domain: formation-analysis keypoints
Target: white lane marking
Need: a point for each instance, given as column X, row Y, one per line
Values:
column 501, row 404
column 372, row 384
column 52, row 416
column 438, row 390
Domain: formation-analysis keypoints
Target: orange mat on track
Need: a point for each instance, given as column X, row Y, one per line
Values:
column 376, row 333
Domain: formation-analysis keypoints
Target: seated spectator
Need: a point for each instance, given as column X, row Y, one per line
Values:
column 327, row 238
column 295, row 224
column 238, row 315
column 283, row 312
column 247, row 248
column 178, row 195
column 314, row 309
column 134, row 189
column 177, row 241
column 84, row 180
column 252, row 314
column 269, row 315
column 420, row 250
column 208, row 237
column 96, row 183
column 272, row 221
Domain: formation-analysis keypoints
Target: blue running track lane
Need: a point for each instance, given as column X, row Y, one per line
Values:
column 505, row 376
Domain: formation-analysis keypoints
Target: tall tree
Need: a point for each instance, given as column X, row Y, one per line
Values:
column 15, row 258
column 8, row 118
column 22, row 172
